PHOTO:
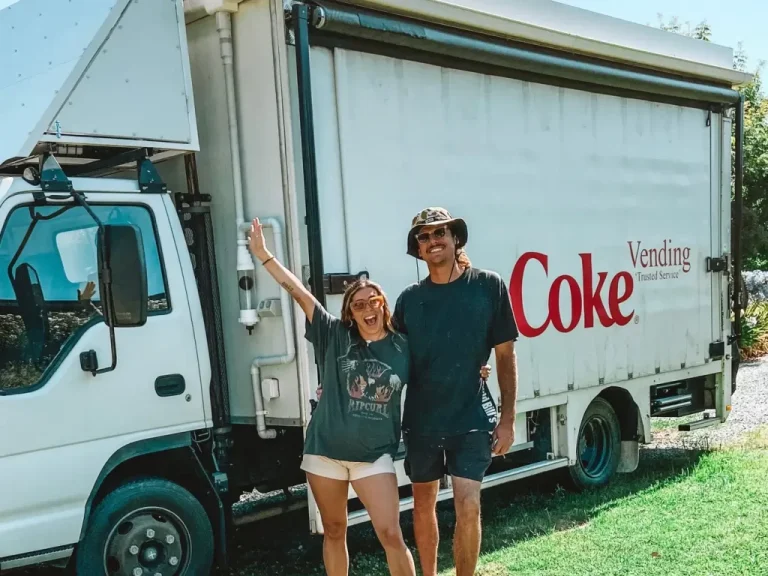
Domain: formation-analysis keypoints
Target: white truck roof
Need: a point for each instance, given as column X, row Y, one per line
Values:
column 555, row 25
column 94, row 73
column 116, row 72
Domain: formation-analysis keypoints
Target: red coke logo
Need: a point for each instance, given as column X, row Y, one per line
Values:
column 586, row 297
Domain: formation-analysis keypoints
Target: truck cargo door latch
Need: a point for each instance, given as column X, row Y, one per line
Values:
column 716, row 350
column 338, row 283
column 717, row 264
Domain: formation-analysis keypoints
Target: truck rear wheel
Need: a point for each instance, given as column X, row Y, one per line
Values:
column 145, row 528
column 599, row 446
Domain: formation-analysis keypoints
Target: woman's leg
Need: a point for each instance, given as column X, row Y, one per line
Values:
column 379, row 495
column 331, row 497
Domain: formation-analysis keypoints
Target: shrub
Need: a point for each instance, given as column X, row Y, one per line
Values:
column 754, row 330
column 18, row 376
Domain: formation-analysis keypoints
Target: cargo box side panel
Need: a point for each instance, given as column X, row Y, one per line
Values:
column 40, row 50
column 263, row 197
column 135, row 88
column 594, row 209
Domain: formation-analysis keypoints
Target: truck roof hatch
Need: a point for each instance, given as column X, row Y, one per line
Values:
column 88, row 79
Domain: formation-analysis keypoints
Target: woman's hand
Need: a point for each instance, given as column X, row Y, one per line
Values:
column 280, row 273
column 256, row 242
column 485, row 371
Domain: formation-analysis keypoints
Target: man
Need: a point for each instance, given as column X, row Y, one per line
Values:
column 453, row 318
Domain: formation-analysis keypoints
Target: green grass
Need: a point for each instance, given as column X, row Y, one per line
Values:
column 710, row 521
column 681, row 513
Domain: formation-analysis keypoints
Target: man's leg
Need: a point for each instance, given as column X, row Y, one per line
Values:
column 425, row 466
column 467, row 535
column 468, row 458
column 425, row 525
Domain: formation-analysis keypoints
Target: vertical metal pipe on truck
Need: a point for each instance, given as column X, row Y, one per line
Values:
column 199, row 223
column 737, row 217
column 301, row 27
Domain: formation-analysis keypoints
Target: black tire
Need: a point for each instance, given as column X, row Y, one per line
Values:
column 598, row 446
column 159, row 518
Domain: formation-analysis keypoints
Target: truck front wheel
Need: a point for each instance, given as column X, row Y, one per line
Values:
column 598, row 446
column 147, row 527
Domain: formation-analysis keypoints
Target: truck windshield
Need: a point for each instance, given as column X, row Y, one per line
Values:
column 49, row 286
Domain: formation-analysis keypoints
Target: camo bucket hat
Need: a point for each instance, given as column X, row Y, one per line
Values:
column 430, row 217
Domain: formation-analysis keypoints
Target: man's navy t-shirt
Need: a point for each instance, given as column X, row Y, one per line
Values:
column 452, row 329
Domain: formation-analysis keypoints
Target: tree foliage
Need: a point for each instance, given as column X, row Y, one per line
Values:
column 754, row 236
column 701, row 31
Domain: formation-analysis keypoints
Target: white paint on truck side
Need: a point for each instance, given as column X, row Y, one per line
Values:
column 595, row 210
column 598, row 211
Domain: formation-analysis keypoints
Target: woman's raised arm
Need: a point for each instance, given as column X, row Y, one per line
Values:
column 280, row 273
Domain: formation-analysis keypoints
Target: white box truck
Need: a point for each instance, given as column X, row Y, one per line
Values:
column 150, row 374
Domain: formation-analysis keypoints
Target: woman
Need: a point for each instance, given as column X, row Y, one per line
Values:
column 354, row 432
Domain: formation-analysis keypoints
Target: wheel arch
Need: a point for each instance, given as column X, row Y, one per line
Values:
column 170, row 457
column 627, row 410
column 631, row 423
column 631, row 408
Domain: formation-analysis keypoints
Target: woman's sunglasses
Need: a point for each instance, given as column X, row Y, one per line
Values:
column 424, row 237
column 374, row 303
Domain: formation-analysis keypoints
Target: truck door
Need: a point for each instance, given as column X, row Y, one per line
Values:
column 59, row 424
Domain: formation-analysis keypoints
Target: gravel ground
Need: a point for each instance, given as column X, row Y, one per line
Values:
column 749, row 412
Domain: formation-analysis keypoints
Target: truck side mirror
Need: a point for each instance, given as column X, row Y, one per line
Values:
column 122, row 285
column 122, row 276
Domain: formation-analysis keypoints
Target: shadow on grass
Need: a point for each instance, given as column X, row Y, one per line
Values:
column 512, row 513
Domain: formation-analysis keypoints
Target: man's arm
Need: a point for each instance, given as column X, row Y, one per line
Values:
column 506, row 364
column 398, row 321
column 504, row 333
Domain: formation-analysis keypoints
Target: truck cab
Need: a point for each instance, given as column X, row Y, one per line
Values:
column 65, row 381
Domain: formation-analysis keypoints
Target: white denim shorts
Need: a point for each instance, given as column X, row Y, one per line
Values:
column 344, row 470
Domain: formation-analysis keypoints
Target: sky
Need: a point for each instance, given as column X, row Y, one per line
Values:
column 732, row 21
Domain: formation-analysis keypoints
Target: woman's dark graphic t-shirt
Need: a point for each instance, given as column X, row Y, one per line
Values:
column 358, row 415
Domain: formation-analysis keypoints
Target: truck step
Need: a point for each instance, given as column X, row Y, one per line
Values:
column 698, row 424
column 55, row 556
column 361, row 516
column 270, row 505
column 268, row 512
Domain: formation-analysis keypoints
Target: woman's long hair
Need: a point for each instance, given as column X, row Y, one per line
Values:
column 346, row 304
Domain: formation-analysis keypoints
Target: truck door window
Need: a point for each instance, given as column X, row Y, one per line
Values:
column 49, row 286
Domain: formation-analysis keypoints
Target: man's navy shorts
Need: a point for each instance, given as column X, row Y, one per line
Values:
column 429, row 458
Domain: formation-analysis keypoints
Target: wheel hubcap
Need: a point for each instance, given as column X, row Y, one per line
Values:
column 595, row 446
column 147, row 542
